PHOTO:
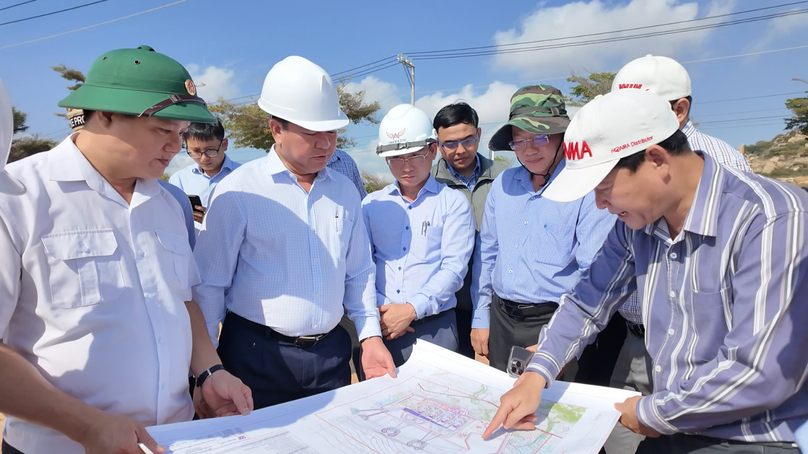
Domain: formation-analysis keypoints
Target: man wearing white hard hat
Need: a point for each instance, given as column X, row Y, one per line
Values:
column 670, row 80
column 720, row 262
column 284, row 252
column 422, row 235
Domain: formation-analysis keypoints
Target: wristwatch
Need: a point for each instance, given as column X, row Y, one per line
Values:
column 207, row 373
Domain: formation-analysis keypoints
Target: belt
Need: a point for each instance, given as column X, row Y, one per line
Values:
column 636, row 329
column 299, row 341
column 770, row 444
column 525, row 310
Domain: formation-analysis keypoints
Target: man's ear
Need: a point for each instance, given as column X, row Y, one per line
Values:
column 104, row 119
column 658, row 157
column 224, row 145
column 682, row 110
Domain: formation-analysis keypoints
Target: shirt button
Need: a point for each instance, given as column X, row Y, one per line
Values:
column 670, row 332
column 312, row 229
column 407, row 228
column 315, row 260
column 672, row 294
column 315, row 326
column 140, row 255
column 399, row 268
column 658, row 369
column 526, row 222
column 674, row 255
column 510, row 271
column 398, row 291
column 405, row 248
column 317, row 295
column 409, row 207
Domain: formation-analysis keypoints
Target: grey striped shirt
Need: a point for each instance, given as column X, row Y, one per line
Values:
column 725, row 307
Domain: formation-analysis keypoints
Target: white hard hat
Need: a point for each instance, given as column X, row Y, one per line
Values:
column 405, row 129
column 664, row 76
column 8, row 185
column 302, row 93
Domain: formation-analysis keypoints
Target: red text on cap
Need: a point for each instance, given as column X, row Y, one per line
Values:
column 574, row 151
column 622, row 86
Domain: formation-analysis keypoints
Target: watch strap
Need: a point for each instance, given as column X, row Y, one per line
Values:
column 207, row 373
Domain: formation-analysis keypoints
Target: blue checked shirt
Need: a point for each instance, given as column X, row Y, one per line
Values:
column 532, row 249
column 284, row 258
column 723, row 306
column 194, row 181
column 422, row 248
column 343, row 163
column 721, row 152
column 470, row 181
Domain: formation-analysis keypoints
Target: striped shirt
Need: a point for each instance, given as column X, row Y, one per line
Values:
column 532, row 249
column 723, row 305
column 279, row 256
column 721, row 152
column 470, row 181
column 343, row 163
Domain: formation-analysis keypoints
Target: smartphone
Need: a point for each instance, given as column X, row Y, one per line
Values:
column 195, row 201
column 518, row 361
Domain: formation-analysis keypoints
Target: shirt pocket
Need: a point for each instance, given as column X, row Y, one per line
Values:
column 709, row 324
column 426, row 238
column 342, row 225
column 174, row 259
column 555, row 244
column 84, row 267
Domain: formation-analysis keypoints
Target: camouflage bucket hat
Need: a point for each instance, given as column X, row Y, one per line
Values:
column 140, row 82
column 537, row 109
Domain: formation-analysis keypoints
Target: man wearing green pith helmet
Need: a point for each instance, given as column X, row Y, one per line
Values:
column 531, row 249
column 95, row 284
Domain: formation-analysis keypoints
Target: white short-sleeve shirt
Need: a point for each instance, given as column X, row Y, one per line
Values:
column 92, row 293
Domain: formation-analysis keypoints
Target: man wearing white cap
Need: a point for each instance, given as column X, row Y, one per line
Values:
column 670, row 80
column 718, row 257
column 284, row 252
column 422, row 235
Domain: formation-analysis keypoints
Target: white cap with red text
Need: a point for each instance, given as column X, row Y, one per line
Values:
column 661, row 75
column 605, row 130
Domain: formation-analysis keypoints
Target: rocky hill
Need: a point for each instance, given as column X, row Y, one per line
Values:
column 785, row 157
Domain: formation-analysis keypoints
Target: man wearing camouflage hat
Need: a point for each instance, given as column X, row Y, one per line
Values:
column 95, row 287
column 531, row 249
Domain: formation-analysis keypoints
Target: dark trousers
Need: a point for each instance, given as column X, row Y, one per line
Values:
column 696, row 444
column 507, row 331
column 8, row 449
column 276, row 370
column 597, row 362
column 439, row 329
column 356, row 350
column 464, row 332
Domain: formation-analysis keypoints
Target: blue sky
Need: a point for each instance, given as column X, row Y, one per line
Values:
column 230, row 45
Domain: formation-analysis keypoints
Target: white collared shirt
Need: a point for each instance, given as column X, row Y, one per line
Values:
column 283, row 257
column 92, row 293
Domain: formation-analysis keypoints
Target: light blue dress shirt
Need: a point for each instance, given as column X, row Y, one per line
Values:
column 422, row 248
column 187, row 211
column 194, row 181
column 343, row 163
column 279, row 256
column 532, row 249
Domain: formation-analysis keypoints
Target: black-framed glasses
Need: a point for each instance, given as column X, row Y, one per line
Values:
column 210, row 152
column 466, row 143
column 520, row 145
column 399, row 161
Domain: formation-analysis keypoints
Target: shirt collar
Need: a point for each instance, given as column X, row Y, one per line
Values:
column 431, row 185
column 524, row 177
column 276, row 166
column 226, row 164
column 702, row 217
column 334, row 157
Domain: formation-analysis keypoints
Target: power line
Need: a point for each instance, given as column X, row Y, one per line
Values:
column 751, row 97
column 8, row 46
column 52, row 12
column 392, row 57
column 17, row 4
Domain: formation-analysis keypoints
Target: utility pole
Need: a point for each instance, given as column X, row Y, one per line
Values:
column 407, row 62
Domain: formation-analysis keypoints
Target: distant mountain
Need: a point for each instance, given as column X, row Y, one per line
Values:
column 785, row 157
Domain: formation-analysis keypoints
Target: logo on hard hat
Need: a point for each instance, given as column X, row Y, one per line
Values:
column 396, row 135
column 190, row 87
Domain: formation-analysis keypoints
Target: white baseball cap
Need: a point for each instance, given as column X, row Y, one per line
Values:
column 661, row 75
column 605, row 130
column 8, row 185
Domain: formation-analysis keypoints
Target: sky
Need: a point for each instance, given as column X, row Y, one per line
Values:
column 741, row 74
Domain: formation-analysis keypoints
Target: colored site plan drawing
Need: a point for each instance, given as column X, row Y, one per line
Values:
column 440, row 403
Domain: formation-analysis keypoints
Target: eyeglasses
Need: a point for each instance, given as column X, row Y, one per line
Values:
column 398, row 161
column 520, row 145
column 210, row 152
column 453, row 145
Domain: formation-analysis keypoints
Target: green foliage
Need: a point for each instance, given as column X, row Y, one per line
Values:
column 588, row 87
column 19, row 120
column 70, row 74
column 164, row 177
column 28, row 146
column 374, row 182
column 759, row 148
column 505, row 160
column 798, row 107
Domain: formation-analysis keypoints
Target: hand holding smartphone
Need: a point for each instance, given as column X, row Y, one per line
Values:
column 518, row 361
column 195, row 201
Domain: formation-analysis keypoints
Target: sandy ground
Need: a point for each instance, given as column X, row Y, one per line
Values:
column 353, row 380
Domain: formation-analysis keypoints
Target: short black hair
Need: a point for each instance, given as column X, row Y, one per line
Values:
column 455, row 114
column 205, row 131
column 676, row 144
column 284, row 123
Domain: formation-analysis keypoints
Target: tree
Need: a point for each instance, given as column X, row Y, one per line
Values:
column 798, row 107
column 19, row 120
column 29, row 145
column 374, row 182
column 72, row 75
column 589, row 87
column 505, row 160
column 247, row 124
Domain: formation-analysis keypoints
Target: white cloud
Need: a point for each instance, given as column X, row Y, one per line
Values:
column 580, row 18
column 180, row 161
column 385, row 93
column 213, row 82
column 780, row 27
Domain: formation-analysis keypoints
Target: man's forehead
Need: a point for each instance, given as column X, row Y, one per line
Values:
column 460, row 130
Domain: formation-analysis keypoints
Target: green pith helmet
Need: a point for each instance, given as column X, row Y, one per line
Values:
column 537, row 109
column 140, row 82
